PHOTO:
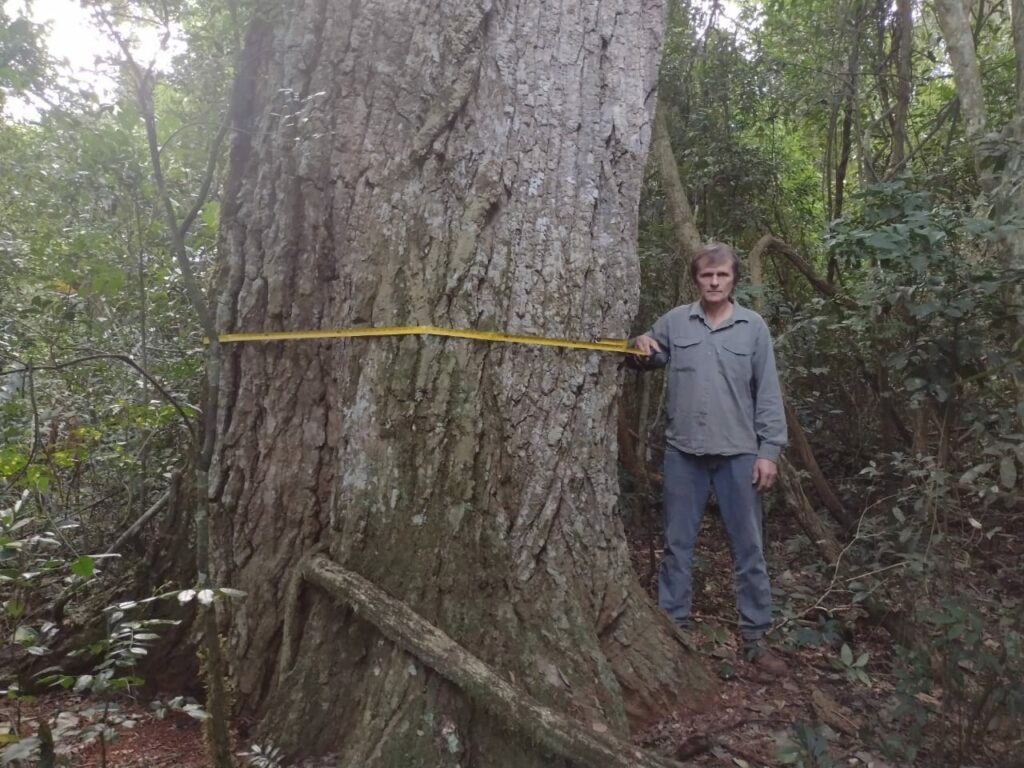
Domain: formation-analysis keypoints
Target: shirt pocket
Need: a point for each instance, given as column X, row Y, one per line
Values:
column 736, row 358
column 685, row 353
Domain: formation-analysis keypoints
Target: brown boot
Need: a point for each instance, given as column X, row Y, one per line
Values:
column 764, row 659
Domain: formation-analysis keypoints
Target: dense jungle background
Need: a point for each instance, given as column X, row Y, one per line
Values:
column 866, row 157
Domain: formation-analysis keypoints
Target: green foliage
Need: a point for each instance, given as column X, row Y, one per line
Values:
column 117, row 656
column 745, row 168
column 33, row 564
column 979, row 671
column 908, row 383
column 24, row 64
column 88, row 284
column 826, row 631
column 808, row 749
column 85, row 269
column 939, row 312
column 263, row 756
column 853, row 668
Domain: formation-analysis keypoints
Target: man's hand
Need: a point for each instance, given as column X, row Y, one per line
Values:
column 646, row 344
column 765, row 472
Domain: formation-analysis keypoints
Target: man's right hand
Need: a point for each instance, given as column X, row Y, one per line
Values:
column 646, row 344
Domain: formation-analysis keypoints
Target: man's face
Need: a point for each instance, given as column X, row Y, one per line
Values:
column 715, row 282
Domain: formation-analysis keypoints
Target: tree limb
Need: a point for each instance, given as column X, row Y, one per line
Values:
column 798, row 440
column 139, row 524
column 211, row 168
column 217, row 696
column 127, row 361
column 955, row 23
column 564, row 736
column 820, row 284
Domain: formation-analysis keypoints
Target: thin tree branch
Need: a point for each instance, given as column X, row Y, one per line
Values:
column 772, row 243
column 139, row 524
column 217, row 697
column 211, row 168
column 127, row 361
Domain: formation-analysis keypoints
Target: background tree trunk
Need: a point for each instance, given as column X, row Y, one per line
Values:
column 954, row 19
column 461, row 164
column 903, row 41
column 684, row 228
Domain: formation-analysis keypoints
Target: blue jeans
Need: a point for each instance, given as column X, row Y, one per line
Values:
column 688, row 482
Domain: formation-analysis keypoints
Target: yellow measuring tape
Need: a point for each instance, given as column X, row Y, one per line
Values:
column 619, row 346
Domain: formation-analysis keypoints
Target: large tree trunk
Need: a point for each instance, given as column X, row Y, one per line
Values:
column 461, row 164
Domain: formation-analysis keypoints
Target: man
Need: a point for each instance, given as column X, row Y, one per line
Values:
column 725, row 429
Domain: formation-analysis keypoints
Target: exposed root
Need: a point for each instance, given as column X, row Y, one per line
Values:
column 553, row 730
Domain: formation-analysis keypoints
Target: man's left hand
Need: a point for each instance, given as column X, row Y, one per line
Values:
column 765, row 474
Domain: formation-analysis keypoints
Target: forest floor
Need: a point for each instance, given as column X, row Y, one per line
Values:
column 755, row 721
column 822, row 714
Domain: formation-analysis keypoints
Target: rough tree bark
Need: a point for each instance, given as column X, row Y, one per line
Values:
column 467, row 164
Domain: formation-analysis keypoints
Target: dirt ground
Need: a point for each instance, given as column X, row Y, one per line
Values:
column 815, row 716
column 819, row 715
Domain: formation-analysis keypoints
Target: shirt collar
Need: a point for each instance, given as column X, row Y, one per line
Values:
column 739, row 314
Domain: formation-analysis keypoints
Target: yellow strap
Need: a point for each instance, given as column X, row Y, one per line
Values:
column 604, row 345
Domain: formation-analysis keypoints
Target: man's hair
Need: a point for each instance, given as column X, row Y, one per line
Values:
column 715, row 253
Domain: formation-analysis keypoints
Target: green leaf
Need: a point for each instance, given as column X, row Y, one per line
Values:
column 211, row 215
column 84, row 567
column 83, row 683
column 38, row 478
column 1008, row 473
column 974, row 473
column 26, row 636
column 885, row 241
column 915, row 383
column 862, row 660
column 978, row 226
column 846, row 654
column 106, row 280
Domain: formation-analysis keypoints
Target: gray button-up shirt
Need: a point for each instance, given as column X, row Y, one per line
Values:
column 724, row 397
